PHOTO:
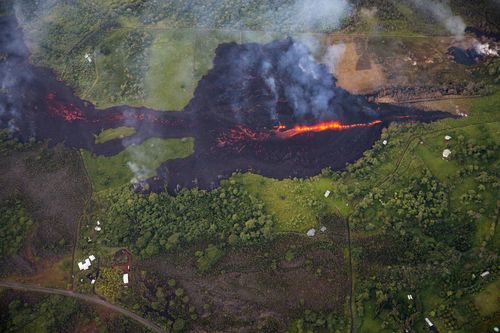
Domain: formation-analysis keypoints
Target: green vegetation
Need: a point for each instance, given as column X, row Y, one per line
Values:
column 136, row 163
column 25, row 313
column 110, row 283
column 114, row 133
column 169, row 81
column 297, row 203
column 168, row 305
column 14, row 227
column 152, row 223
column 53, row 314
column 8, row 144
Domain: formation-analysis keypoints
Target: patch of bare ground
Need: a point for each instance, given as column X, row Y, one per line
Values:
column 356, row 71
column 52, row 184
column 251, row 285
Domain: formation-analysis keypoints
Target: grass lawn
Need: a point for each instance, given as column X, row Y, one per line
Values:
column 107, row 172
column 169, row 81
column 488, row 301
column 296, row 204
column 114, row 133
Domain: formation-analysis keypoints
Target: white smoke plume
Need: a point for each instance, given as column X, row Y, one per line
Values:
column 333, row 55
column 442, row 12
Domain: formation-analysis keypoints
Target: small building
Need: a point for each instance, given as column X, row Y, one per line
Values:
column 92, row 257
column 323, row 229
column 410, row 297
column 84, row 265
column 88, row 57
column 311, row 232
column 446, row 153
column 384, row 142
column 125, row 278
column 447, row 138
column 92, row 281
column 429, row 322
column 97, row 228
column 485, row 274
column 327, row 193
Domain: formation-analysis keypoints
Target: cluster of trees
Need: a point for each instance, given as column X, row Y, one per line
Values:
column 8, row 144
column 52, row 314
column 15, row 226
column 129, row 61
column 312, row 321
column 109, row 283
column 161, row 300
column 148, row 224
column 31, row 313
column 276, row 15
column 424, row 232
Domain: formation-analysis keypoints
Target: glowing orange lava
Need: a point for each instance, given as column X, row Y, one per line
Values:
column 326, row 126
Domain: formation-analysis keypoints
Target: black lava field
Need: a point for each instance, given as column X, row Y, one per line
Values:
column 266, row 108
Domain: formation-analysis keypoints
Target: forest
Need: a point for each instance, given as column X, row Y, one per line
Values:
column 154, row 223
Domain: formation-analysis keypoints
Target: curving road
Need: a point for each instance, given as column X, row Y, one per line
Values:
column 86, row 298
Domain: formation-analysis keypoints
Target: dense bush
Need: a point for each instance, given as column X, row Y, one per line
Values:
column 160, row 222
column 14, row 227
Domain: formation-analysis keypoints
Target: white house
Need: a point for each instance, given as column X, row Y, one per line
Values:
column 429, row 322
column 311, row 232
column 446, row 153
column 125, row 278
column 485, row 274
column 327, row 193
column 447, row 138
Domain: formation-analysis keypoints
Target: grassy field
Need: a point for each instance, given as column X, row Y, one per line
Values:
column 144, row 159
column 114, row 133
column 297, row 204
column 170, row 79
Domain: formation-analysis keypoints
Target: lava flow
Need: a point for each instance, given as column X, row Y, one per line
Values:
column 325, row 126
column 232, row 115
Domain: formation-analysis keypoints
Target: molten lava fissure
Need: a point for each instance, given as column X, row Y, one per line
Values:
column 266, row 108
column 326, row 126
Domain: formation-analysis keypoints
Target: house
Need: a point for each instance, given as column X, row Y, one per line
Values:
column 410, row 297
column 327, row 193
column 125, row 278
column 311, row 232
column 485, row 274
column 92, row 281
column 446, row 153
column 97, row 228
column 384, row 142
column 323, row 229
column 447, row 138
column 427, row 320
column 84, row 265
column 91, row 257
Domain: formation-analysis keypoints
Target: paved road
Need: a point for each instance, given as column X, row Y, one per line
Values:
column 86, row 298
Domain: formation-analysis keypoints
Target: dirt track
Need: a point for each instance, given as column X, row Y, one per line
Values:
column 85, row 298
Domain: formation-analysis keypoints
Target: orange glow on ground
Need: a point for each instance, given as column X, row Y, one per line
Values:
column 326, row 126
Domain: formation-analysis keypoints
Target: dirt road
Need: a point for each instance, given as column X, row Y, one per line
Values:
column 85, row 298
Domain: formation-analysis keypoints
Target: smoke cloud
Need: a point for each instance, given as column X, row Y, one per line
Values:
column 443, row 13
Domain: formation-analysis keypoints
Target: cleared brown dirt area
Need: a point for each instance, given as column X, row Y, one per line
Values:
column 52, row 184
column 251, row 285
